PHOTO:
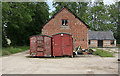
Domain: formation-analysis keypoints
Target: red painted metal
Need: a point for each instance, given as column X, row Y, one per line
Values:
column 57, row 50
column 62, row 44
column 40, row 45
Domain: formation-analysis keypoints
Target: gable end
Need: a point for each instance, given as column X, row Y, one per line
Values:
column 70, row 12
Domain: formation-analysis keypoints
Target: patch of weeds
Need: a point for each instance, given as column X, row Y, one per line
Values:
column 103, row 53
column 118, row 45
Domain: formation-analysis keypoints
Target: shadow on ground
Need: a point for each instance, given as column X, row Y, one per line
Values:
column 60, row 57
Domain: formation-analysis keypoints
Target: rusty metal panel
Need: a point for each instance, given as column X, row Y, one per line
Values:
column 47, row 44
column 32, row 44
column 41, row 44
column 40, row 54
column 40, row 37
column 62, row 45
column 39, row 49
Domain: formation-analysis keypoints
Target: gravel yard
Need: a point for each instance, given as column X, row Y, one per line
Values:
column 20, row 63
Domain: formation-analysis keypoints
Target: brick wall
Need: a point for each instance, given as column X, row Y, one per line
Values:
column 107, row 43
column 93, row 43
column 75, row 27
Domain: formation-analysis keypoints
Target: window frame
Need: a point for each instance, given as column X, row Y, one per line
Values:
column 63, row 22
column 112, row 42
column 89, row 42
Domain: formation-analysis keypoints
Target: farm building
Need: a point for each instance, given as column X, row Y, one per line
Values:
column 65, row 21
column 101, row 39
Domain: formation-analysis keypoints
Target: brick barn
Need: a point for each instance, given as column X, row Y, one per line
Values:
column 101, row 39
column 65, row 21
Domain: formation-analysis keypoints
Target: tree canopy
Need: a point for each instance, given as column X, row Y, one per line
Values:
column 23, row 19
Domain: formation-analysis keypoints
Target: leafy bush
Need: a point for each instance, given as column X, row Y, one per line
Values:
column 103, row 53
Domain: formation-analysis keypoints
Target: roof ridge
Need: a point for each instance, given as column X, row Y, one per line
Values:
column 101, row 31
column 101, row 35
column 70, row 12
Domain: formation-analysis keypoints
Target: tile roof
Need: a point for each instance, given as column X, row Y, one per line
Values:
column 100, row 35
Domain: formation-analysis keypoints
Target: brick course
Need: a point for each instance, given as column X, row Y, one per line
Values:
column 106, row 43
column 93, row 43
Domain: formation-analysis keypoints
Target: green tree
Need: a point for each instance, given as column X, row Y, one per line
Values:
column 113, row 15
column 98, row 17
column 117, row 33
column 23, row 19
column 79, row 8
column 4, row 41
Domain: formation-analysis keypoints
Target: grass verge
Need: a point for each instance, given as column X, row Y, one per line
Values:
column 13, row 50
column 103, row 53
column 118, row 45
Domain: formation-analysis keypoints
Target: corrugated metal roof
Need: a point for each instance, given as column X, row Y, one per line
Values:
column 100, row 35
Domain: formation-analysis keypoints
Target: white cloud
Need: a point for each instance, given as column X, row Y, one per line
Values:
column 109, row 2
column 49, row 2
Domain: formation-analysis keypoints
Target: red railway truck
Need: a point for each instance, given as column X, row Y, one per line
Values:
column 62, row 44
column 40, row 45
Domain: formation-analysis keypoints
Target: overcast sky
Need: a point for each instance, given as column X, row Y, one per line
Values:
column 105, row 2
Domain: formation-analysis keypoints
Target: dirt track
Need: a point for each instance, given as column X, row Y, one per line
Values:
column 20, row 63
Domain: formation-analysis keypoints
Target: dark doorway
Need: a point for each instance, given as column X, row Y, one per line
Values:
column 100, row 43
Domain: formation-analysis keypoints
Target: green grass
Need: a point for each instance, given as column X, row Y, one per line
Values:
column 92, row 48
column 118, row 45
column 103, row 53
column 13, row 50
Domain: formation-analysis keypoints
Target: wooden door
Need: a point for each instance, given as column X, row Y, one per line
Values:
column 57, row 50
column 67, row 45
column 100, row 43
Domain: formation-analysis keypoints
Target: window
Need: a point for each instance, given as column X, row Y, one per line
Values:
column 89, row 42
column 112, row 42
column 64, row 22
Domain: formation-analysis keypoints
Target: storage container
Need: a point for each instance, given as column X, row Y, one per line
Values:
column 40, row 45
column 62, row 44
